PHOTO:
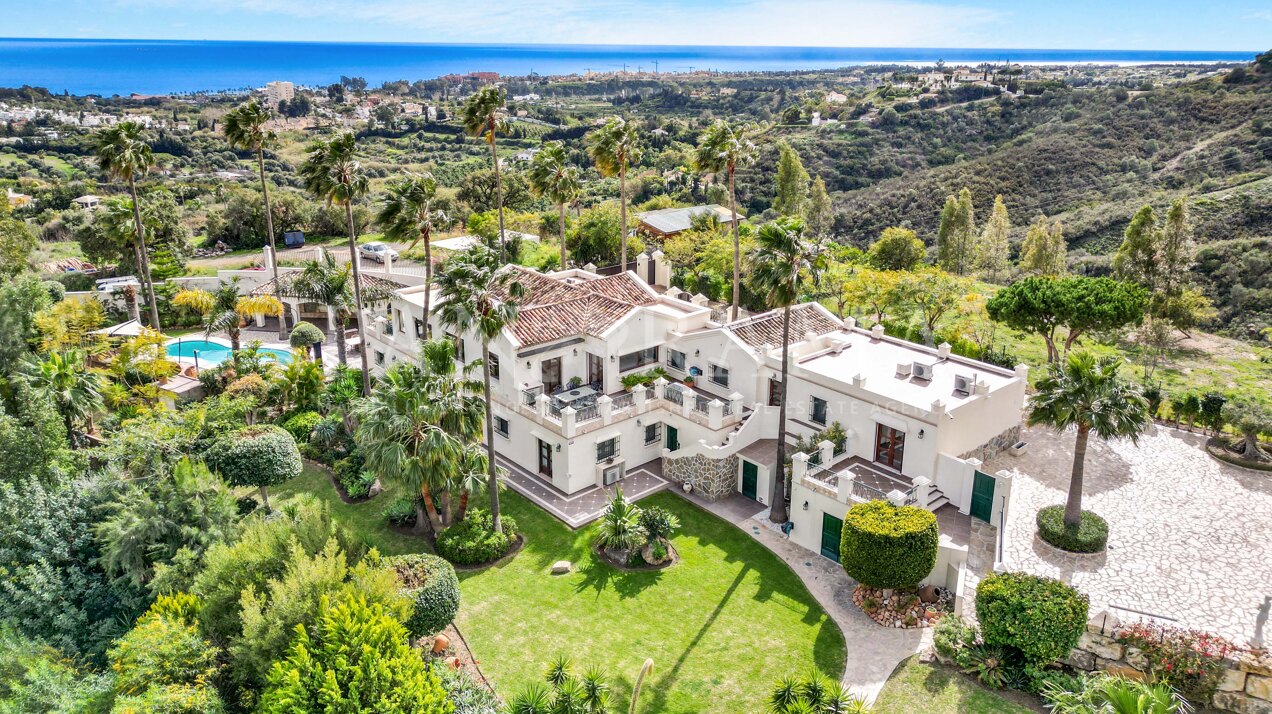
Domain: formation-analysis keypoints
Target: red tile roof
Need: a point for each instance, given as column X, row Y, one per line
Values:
column 554, row 309
column 766, row 329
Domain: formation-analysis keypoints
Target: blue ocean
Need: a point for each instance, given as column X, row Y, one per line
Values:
column 109, row 67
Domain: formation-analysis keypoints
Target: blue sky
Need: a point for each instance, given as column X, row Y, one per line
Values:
column 1073, row 24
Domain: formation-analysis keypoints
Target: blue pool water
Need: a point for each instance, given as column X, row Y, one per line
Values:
column 211, row 353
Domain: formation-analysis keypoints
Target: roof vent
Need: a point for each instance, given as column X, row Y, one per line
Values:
column 962, row 385
column 923, row 371
column 905, row 369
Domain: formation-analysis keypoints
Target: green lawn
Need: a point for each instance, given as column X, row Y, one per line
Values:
column 934, row 689
column 721, row 626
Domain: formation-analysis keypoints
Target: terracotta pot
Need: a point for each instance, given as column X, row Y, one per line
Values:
column 452, row 662
column 440, row 644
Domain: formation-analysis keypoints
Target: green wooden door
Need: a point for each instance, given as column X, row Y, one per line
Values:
column 750, row 477
column 673, row 438
column 982, row 496
column 832, row 528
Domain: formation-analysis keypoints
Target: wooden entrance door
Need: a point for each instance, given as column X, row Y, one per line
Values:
column 889, row 446
column 832, row 530
column 673, row 438
column 750, row 478
column 982, row 496
column 545, row 459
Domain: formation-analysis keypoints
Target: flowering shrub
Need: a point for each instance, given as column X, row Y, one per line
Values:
column 1190, row 661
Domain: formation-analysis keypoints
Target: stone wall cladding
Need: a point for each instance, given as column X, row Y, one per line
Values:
column 1245, row 689
column 713, row 479
column 994, row 446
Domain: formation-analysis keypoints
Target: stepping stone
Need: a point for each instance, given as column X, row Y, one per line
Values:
column 561, row 567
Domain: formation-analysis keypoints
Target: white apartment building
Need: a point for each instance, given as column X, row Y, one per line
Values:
column 916, row 421
column 275, row 92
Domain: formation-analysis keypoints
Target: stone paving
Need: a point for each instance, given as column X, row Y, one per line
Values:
column 579, row 509
column 873, row 652
column 1190, row 538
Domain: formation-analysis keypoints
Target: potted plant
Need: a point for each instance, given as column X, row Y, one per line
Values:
column 689, row 381
column 574, row 383
column 632, row 381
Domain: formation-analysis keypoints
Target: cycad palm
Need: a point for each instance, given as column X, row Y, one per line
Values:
column 485, row 115
column 614, row 148
column 63, row 379
column 244, row 129
column 333, row 173
column 1086, row 392
column 122, row 152
column 723, row 147
column 225, row 309
column 553, row 178
column 407, row 214
column 783, row 264
column 480, row 295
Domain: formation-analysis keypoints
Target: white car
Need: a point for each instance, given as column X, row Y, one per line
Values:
column 376, row 251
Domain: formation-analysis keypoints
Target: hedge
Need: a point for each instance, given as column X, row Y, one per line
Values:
column 886, row 546
column 301, row 425
column 1090, row 536
column 431, row 584
column 473, row 540
column 1042, row 618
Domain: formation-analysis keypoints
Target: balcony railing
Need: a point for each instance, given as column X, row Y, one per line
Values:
column 674, row 394
column 531, row 395
column 554, row 410
column 587, row 414
column 624, row 401
column 701, row 404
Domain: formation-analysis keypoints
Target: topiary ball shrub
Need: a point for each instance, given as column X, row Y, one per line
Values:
column 1090, row 536
column 886, row 546
column 301, row 425
column 431, row 584
column 261, row 456
column 304, row 335
column 1042, row 618
column 473, row 540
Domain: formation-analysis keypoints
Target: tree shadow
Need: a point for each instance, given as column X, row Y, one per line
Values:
column 599, row 576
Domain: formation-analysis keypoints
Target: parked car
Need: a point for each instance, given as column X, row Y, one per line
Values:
column 376, row 251
column 110, row 285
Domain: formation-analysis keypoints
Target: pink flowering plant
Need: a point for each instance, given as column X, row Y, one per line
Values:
column 1190, row 661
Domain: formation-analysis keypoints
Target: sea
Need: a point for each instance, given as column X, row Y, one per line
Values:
column 122, row 67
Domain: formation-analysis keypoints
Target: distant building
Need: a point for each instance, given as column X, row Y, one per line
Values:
column 17, row 200
column 275, row 92
column 412, row 109
column 836, row 98
column 527, row 98
column 88, row 202
column 670, row 221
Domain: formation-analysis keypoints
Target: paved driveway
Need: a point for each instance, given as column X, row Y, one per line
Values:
column 1190, row 538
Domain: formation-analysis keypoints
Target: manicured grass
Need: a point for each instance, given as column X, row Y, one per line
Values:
column 721, row 626
column 934, row 689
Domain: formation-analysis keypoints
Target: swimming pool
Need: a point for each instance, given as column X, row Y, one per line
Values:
column 214, row 353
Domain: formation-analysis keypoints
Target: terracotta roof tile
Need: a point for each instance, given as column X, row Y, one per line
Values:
column 553, row 309
column 766, row 329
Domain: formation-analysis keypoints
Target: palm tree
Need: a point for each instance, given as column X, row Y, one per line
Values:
column 331, row 284
column 785, row 261
column 485, row 115
column 1086, row 392
column 333, row 173
column 620, row 526
column 553, row 178
column 225, row 309
column 407, row 214
column 1114, row 695
column 614, row 147
column 565, row 691
column 723, row 147
column 63, row 379
column 244, row 129
column 479, row 294
column 123, row 153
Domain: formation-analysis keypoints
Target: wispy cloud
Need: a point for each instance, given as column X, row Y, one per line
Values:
column 877, row 23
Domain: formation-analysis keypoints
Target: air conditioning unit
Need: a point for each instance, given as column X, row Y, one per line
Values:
column 923, row 371
column 963, row 384
column 612, row 473
column 905, row 369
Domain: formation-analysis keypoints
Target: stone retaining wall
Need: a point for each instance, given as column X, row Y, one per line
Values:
column 711, row 478
column 1245, row 689
column 994, row 446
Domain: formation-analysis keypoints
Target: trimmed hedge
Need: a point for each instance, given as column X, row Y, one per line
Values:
column 1042, row 618
column 473, row 541
column 301, row 425
column 885, row 546
column 433, row 587
column 1090, row 536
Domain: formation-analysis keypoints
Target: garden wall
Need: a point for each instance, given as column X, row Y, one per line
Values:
column 1245, row 689
column 711, row 478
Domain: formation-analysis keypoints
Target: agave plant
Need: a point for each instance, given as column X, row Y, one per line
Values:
column 1104, row 694
column 815, row 693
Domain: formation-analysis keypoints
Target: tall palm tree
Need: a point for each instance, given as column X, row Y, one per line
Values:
column 333, row 173
column 73, row 389
column 122, row 152
column 328, row 283
column 485, row 115
column 723, row 147
column 407, row 214
column 1086, row 392
column 784, row 262
column 615, row 147
column 553, row 178
column 225, row 309
column 479, row 294
column 244, row 128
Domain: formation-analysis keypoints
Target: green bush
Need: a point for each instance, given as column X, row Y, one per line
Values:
column 473, row 540
column 1042, row 618
column 401, row 512
column 260, row 456
column 353, row 476
column 951, row 635
column 301, row 425
column 1090, row 536
column 886, row 546
column 431, row 584
column 304, row 335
